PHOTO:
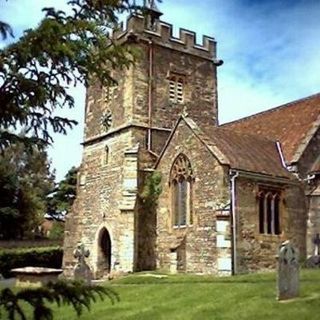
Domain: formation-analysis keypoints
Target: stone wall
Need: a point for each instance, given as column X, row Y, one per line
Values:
column 116, row 100
column 312, row 189
column 257, row 251
column 199, row 87
column 104, row 188
column 141, row 96
column 310, row 155
column 210, row 193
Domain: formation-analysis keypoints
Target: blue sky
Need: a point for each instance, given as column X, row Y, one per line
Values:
column 270, row 48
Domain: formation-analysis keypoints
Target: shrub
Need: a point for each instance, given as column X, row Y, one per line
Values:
column 35, row 257
column 57, row 231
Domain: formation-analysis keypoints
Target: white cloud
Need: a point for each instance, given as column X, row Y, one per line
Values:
column 270, row 51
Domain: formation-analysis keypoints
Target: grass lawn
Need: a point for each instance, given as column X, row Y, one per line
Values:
column 204, row 297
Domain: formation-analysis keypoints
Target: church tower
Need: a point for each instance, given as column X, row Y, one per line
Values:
column 126, row 127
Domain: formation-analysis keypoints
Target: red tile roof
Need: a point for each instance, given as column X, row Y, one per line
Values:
column 293, row 124
column 242, row 151
column 248, row 153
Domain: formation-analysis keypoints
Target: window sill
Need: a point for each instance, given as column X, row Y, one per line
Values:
column 183, row 226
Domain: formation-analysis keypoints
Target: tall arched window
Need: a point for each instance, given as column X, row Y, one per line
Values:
column 269, row 211
column 181, row 179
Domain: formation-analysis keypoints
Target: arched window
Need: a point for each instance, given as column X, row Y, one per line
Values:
column 269, row 211
column 181, row 179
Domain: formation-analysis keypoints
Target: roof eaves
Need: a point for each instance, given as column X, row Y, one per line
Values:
column 290, row 179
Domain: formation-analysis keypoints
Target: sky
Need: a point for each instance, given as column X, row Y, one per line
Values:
column 270, row 49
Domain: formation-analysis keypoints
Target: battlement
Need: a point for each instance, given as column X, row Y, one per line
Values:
column 162, row 34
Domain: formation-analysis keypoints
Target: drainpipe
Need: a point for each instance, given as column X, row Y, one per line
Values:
column 283, row 162
column 233, row 176
column 149, row 144
column 309, row 176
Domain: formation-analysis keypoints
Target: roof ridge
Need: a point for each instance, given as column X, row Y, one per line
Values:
column 274, row 109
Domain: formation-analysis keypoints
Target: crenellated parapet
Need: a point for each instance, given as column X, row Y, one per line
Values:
column 162, row 34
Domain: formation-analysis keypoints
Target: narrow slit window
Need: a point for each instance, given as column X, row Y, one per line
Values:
column 106, row 155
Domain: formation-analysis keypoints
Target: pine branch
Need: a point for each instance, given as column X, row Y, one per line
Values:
column 72, row 293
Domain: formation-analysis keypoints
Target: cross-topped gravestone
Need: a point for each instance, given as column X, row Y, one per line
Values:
column 82, row 270
column 288, row 271
column 316, row 242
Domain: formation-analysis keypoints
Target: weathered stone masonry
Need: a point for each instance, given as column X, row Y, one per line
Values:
column 164, row 108
column 139, row 117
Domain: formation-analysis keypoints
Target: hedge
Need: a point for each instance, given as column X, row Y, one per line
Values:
column 35, row 257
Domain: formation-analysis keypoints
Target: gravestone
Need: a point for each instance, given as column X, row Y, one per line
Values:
column 316, row 242
column 314, row 260
column 82, row 270
column 288, row 272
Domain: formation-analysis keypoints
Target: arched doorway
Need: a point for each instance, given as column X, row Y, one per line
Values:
column 104, row 253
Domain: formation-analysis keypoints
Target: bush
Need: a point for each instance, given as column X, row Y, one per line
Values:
column 57, row 231
column 35, row 257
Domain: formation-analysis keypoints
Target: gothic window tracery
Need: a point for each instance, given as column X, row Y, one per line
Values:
column 181, row 179
column 269, row 211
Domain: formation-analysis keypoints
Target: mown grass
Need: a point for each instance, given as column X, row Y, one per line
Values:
column 204, row 297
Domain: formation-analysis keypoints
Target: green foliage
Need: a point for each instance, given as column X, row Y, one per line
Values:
column 5, row 30
column 151, row 189
column 25, row 179
column 57, row 231
column 75, row 293
column 63, row 195
column 36, row 257
column 65, row 49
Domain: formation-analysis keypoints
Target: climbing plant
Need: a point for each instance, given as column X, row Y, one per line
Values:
column 151, row 190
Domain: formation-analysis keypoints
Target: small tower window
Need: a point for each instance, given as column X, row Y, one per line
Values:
column 176, row 88
column 106, row 155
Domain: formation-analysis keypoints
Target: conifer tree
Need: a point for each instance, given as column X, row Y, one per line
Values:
column 25, row 179
column 65, row 49
column 73, row 293
column 60, row 200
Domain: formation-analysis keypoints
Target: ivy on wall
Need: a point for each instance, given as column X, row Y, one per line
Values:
column 151, row 190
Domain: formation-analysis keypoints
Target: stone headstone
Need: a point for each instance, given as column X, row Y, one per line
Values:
column 82, row 270
column 314, row 260
column 316, row 242
column 288, row 272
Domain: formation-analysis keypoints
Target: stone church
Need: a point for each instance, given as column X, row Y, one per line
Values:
column 227, row 195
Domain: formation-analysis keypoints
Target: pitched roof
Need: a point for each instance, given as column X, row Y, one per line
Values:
column 248, row 153
column 237, row 150
column 293, row 124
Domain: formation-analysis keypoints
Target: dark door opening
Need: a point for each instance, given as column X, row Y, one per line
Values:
column 104, row 257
